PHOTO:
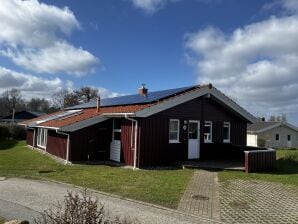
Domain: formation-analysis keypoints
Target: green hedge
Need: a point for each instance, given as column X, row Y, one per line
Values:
column 13, row 131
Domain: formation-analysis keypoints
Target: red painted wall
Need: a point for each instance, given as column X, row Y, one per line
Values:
column 154, row 141
column 29, row 137
column 56, row 144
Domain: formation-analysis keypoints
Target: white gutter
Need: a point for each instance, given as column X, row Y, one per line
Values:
column 67, row 145
column 118, row 114
column 135, row 140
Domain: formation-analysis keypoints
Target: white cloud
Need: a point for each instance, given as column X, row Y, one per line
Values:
column 105, row 93
column 35, row 30
column 30, row 86
column 33, row 86
column 149, row 6
column 291, row 5
column 56, row 58
column 256, row 65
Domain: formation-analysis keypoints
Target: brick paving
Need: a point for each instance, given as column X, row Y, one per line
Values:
column 201, row 196
column 246, row 201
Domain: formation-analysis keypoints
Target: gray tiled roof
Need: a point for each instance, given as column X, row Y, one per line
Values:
column 261, row 125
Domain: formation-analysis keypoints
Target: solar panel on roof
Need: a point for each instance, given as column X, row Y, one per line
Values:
column 134, row 99
column 61, row 116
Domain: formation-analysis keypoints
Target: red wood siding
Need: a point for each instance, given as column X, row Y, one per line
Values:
column 91, row 143
column 56, row 144
column 127, row 154
column 154, row 141
column 29, row 137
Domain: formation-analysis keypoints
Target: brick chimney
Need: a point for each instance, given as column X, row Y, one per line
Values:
column 97, row 104
column 143, row 91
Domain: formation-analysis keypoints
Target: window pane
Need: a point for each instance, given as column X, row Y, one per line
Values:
column 289, row 137
column 208, row 132
column 173, row 135
column 117, row 123
column 117, row 135
column 226, row 132
column 277, row 137
column 173, row 125
column 193, row 130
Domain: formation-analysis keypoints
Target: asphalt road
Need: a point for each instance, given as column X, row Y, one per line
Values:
column 26, row 199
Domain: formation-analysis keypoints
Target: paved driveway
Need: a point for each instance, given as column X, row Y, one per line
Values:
column 24, row 198
column 240, row 201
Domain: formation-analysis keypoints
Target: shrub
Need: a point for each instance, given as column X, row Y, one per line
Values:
column 77, row 209
column 4, row 132
column 292, row 156
column 17, row 132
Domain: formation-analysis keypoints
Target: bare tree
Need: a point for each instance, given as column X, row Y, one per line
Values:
column 86, row 93
column 11, row 100
column 64, row 98
column 38, row 105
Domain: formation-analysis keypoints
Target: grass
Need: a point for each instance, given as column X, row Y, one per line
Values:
column 162, row 187
column 286, row 171
column 1, row 221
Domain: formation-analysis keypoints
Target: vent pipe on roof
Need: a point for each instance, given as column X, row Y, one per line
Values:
column 98, row 104
column 143, row 91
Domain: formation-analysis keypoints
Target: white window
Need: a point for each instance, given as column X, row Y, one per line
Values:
column 226, row 132
column 208, row 131
column 42, row 135
column 277, row 137
column 116, row 129
column 174, row 131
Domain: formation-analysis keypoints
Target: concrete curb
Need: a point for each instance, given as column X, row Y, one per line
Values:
column 121, row 198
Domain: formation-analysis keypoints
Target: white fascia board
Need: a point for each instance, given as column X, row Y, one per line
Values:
column 172, row 102
column 83, row 124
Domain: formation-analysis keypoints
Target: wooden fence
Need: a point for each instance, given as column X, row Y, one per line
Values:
column 259, row 160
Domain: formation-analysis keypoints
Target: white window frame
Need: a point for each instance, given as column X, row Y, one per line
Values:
column 208, row 140
column 278, row 137
column 228, row 124
column 178, row 131
column 115, row 130
column 42, row 137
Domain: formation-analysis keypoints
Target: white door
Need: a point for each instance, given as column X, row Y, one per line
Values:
column 115, row 147
column 289, row 141
column 193, row 139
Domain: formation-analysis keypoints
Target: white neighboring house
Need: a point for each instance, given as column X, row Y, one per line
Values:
column 272, row 134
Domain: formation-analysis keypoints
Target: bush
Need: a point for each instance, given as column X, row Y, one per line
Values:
column 77, row 209
column 12, row 131
column 17, row 132
column 4, row 132
column 261, row 142
column 291, row 156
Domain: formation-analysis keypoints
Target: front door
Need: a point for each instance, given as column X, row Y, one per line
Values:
column 289, row 141
column 115, row 147
column 193, row 139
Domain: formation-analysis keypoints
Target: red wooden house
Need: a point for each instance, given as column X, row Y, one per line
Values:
column 149, row 128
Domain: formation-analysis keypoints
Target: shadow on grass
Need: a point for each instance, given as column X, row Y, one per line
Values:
column 283, row 166
column 7, row 144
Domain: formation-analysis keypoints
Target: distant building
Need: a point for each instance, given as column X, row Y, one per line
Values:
column 20, row 116
column 272, row 134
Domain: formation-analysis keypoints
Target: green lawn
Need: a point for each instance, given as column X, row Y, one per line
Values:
column 286, row 171
column 163, row 187
column 1, row 221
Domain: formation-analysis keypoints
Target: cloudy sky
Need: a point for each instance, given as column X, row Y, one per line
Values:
column 247, row 49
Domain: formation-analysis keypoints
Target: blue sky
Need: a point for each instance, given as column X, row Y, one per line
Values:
column 247, row 49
